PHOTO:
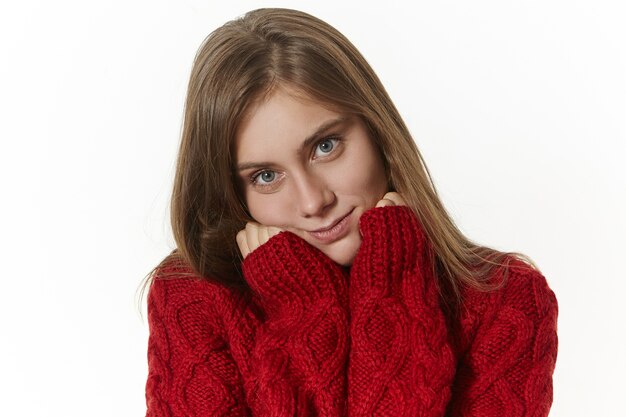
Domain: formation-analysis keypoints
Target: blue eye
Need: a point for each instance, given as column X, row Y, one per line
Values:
column 265, row 177
column 326, row 146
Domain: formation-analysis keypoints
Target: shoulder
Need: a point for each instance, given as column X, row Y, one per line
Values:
column 177, row 294
column 518, row 285
column 174, row 281
column 524, row 300
column 526, row 290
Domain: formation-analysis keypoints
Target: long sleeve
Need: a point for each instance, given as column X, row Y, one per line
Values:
column 300, row 351
column 191, row 369
column 401, row 363
column 279, row 349
column 509, row 348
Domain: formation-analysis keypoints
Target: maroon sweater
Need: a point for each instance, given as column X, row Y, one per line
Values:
column 313, row 339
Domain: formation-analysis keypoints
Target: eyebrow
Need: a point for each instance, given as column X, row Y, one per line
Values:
column 307, row 142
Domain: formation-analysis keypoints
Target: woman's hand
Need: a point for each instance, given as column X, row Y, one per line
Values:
column 391, row 199
column 254, row 235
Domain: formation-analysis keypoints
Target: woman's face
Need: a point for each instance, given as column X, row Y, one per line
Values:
column 309, row 170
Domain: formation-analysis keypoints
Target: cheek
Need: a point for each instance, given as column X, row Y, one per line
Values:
column 268, row 209
column 365, row 176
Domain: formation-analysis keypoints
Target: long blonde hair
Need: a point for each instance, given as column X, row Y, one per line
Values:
column 246, row 59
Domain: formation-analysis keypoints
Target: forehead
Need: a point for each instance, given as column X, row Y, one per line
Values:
column 285, row 116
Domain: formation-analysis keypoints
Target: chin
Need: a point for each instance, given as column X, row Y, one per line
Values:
column 344, row 251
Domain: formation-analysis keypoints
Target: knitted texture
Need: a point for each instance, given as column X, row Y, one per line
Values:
column 401, row 362
column 312, row 339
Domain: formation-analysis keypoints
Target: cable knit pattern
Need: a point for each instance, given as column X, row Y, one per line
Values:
column 401, row 362
column 192, row 372
column 305, row 343
column 286, row 347
column 301, row 349
column 508, row 343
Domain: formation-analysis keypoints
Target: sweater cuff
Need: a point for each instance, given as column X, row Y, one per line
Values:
column 392, row 233
column 288, row 273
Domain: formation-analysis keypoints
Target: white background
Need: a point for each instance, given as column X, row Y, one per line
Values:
column 519, row 108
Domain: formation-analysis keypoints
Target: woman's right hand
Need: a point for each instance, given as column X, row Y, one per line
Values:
column 254, row 235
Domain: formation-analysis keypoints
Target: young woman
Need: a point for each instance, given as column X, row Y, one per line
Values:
column 316, row 271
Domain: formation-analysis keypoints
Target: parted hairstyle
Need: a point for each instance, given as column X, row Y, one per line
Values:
column 242, row 62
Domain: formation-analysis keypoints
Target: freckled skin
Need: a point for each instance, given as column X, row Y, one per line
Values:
column 308, row 190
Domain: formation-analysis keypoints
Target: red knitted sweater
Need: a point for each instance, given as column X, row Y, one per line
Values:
column 316, row 340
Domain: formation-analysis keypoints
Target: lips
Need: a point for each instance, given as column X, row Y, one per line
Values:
column 335, row 231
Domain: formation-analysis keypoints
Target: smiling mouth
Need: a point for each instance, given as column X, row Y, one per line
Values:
column 335, row 231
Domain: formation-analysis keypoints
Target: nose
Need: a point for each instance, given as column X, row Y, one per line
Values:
column 313, row 195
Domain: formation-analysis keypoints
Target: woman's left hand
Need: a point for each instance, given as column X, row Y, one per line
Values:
column 391, row 199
